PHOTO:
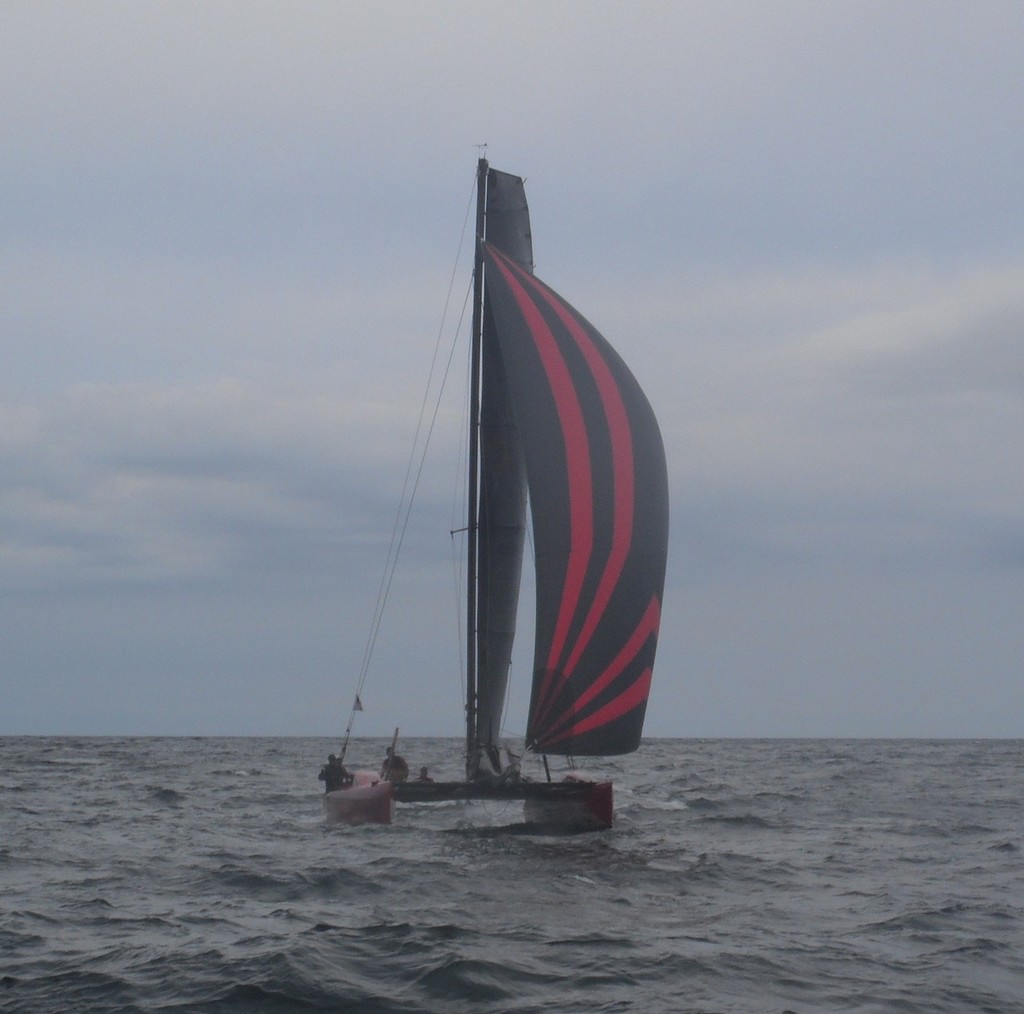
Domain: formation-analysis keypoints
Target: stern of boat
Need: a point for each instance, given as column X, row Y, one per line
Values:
column 368, row 800
column 591, row 810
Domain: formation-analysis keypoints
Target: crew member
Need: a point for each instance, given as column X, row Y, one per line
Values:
column 334, row 775
column 394, row 768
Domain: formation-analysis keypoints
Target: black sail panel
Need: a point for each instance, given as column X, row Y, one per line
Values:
column 508, row 218
column 599, row 502
column 501, row 520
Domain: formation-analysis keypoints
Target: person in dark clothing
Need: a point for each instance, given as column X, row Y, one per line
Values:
column 394, row 768
column 424, row 776
column 334, row 775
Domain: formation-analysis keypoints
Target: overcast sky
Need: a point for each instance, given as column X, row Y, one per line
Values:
column 227, row 232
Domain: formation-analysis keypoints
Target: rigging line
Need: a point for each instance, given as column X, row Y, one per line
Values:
column 407, row 495
column 458, row 516
column 422, row 462
column 423, row 458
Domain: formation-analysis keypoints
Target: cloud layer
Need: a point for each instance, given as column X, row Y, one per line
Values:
column 229, row 231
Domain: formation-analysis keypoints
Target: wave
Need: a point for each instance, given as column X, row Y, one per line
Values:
column 742, row 879
column 169, row 797
column 748, row 820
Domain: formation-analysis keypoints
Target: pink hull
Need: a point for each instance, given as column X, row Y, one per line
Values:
column 367, row 801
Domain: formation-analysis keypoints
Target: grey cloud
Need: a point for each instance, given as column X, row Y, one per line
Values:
column 228, row 233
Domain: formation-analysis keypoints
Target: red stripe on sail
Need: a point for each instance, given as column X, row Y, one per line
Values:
column 632, row 697
column 622, row 474
column 623, row 491
column 645, row 629
column 577, row 452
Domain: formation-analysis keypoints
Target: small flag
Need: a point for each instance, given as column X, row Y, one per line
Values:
column 358, row 706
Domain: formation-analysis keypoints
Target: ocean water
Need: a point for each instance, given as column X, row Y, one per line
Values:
column 149, row 874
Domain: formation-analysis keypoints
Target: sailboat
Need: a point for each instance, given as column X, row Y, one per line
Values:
column 558, row 424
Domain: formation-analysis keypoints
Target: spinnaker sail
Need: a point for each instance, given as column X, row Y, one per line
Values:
column 559, row 405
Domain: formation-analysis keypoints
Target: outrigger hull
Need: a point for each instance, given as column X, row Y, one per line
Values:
column 572, row 805
column 591, row 810
column 367, row 800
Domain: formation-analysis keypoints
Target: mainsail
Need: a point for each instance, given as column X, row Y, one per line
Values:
column 501, row 514
column 561, row 415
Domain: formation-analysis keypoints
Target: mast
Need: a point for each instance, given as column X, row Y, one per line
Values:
column 472, row 510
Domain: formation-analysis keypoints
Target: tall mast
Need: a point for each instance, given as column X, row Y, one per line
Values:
column 472, row 523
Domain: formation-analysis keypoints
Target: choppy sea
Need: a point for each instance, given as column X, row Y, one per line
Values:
column 150, row 874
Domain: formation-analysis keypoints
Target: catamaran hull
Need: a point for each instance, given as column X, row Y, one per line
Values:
column 570, row 805
column 591, row 811
column 367, row 801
